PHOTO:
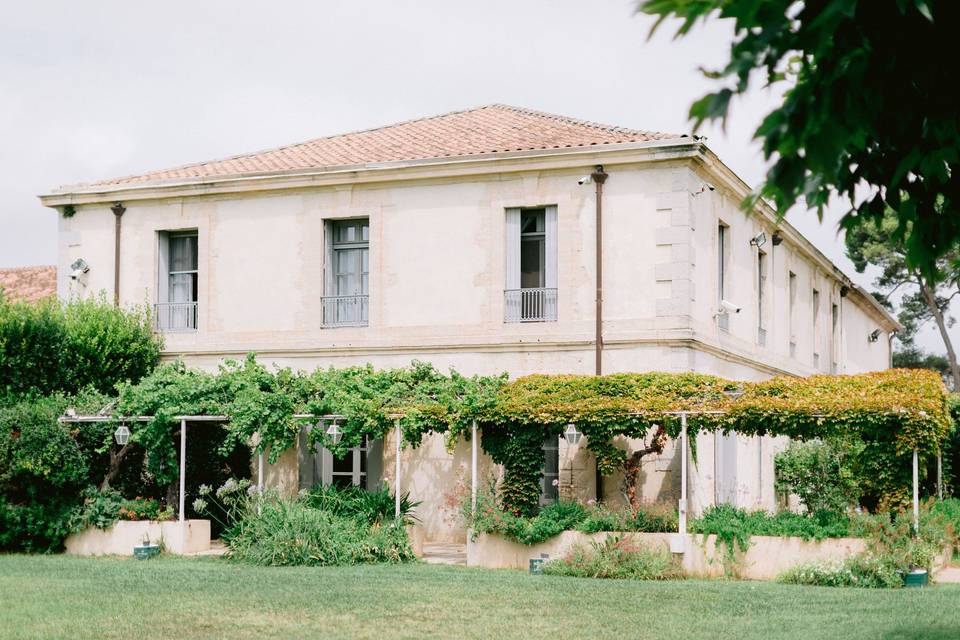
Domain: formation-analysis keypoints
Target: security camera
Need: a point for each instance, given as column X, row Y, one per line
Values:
column 728, row 307
column 706, row 186
column 584, row 180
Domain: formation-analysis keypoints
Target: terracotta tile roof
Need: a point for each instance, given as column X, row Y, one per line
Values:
column 30, row 284
column 488, row 129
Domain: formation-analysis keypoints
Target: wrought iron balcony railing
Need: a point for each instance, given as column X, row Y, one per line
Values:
column 530, row 305
column 175, row 316
column 345, row 311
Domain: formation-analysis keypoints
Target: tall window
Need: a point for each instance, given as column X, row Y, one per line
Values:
column 530, row 294
column 346, row 299
column 550, row 484
column 178, row 287
column 834, row 330
column 791, row 312
column 761, row 298
column 723, row 259
column 815, row 303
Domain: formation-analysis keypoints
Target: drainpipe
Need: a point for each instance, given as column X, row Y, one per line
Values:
column 118, row 211
column 599, row 176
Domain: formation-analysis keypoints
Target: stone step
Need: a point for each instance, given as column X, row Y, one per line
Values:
column 445, row 553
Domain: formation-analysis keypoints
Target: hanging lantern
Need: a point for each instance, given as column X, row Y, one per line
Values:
column 334, row 433
column 122, row 435
column 571, row 435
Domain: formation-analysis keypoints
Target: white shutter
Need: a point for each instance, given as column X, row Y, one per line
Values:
column 513, row 248
column 163, row 267
column 550, row 240
column 328, row 267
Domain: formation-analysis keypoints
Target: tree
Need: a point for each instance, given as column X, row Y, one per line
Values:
column 924, row 296
column 912, row 357
column 870, row 112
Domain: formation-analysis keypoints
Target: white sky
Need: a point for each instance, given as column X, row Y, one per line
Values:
column 98, row 89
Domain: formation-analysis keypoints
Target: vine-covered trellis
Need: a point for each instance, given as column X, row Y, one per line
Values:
column 893, row 412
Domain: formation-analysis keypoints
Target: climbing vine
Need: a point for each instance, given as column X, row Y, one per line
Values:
column 893, row 412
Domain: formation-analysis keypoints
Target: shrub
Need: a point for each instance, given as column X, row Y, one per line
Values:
column 864, row 570
column 617, row 558
column 655, row 518
column 55, row 346
column 44, row 466
column 818, row 473
column 356, row 502
column 280, row 531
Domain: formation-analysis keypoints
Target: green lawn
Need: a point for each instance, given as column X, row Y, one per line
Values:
column 64, row 597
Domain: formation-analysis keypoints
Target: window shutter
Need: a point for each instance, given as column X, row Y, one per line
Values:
column 513, row 248
column 550, row 240
column 328, row 267
column 163, row 267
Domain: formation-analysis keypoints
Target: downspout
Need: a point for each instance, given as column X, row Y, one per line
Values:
column 599, row 176
column 118, row 211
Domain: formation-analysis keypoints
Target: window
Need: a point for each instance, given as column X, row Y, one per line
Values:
column 834, row 329
column 761, row 298
column 178, row 286
column 530, row 294
column 347, row 285
column 791, row 312
column 550, row 483
column 815, row 303
column 723, row 258
column 360, row 466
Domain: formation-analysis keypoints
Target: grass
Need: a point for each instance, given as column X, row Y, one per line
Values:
column 66, row 597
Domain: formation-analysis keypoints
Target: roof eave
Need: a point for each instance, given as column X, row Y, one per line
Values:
column 387, row 170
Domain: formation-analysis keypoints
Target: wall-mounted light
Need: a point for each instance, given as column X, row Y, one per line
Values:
column 78, row 267
column 874, row 335
column 758, row 240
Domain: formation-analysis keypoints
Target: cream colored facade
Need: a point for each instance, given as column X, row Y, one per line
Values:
column 437, row 277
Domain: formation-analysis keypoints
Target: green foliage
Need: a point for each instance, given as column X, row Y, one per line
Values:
column 372, row 507
column 734, row 527
column 864, row 108
column 53, row 346
column 277, row 531
column 44, row 466
column 555, row 518
column 520, row 451
column 818, row 474
column 863, row 570
column 617, row 558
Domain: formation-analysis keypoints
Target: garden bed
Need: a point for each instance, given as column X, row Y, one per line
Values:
column 766, row 557
column 702, row 557
column 190, row 536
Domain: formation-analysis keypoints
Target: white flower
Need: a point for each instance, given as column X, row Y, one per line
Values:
column 199, row 505
column 204, row 489
column 555, row 482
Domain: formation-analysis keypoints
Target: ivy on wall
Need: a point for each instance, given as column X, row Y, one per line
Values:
column 893, row 412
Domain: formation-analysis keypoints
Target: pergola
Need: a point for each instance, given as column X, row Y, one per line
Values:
column 334, row 418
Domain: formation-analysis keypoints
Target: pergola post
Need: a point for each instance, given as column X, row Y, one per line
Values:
column 396, row 497
column 260, row 481
column 473, row 468
column 683, row 473
column 183, row 468
column 939, row 476
column 916, row 493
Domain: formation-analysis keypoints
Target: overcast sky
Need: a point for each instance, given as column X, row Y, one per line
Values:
column 98, row 89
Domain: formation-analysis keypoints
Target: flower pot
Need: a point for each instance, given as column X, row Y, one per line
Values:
column 916, row 578
column 146, row 551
